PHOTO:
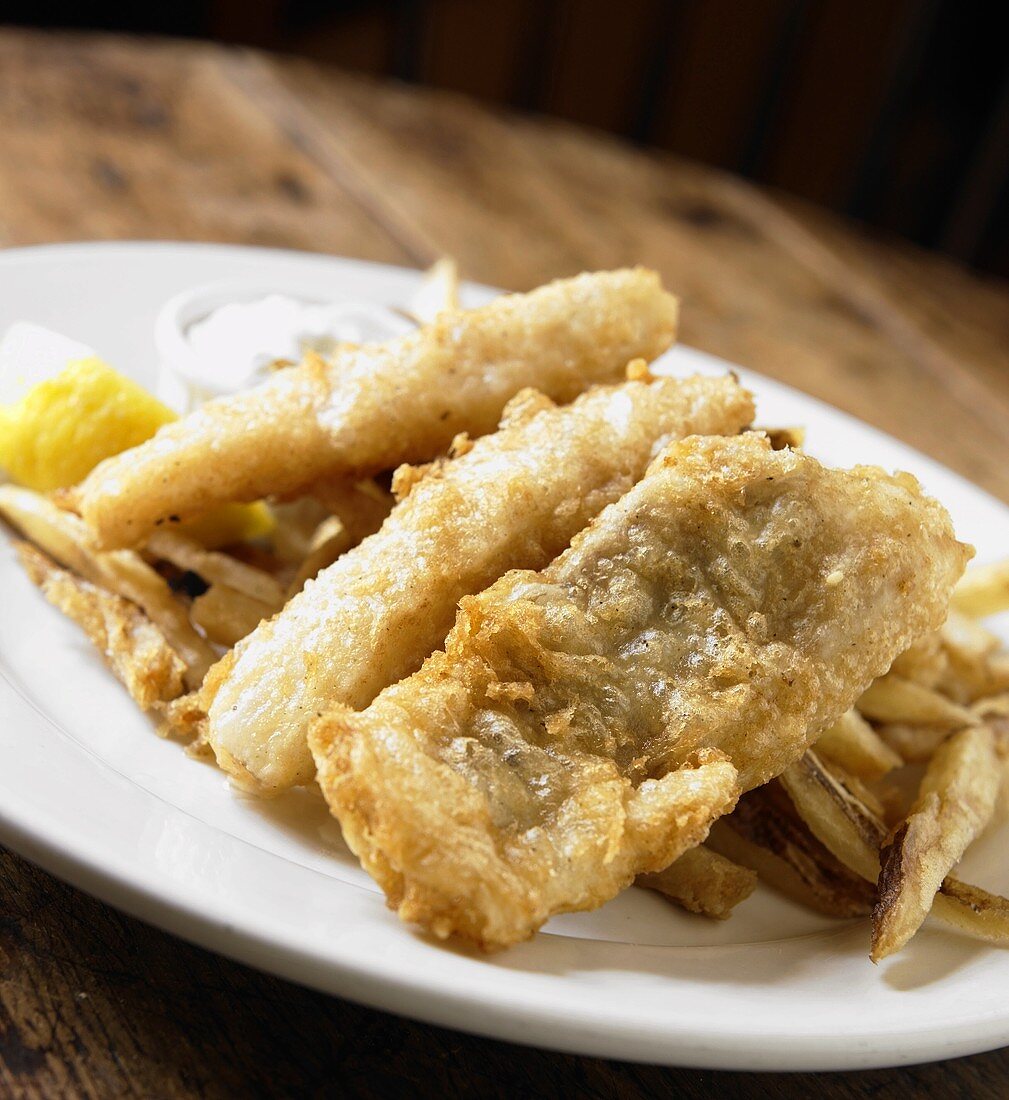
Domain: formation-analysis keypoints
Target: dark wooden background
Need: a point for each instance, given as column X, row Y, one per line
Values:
column 104, row 138
column 892, row 111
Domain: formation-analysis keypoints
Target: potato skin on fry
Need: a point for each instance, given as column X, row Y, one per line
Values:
column 765, row 833
column 377, row 406
column 537, row 765
column 852, row 833
column 514, row 499
column 955, row 802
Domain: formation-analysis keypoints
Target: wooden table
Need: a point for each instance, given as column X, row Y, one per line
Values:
column 111, row 138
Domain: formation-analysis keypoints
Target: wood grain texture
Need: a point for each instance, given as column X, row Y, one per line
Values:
column 111, row 138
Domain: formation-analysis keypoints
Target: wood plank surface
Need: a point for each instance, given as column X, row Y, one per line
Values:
column 116, row 138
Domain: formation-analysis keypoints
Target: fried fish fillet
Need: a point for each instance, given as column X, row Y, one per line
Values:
column 514, row 499
column 374, row 407
column 735, row 602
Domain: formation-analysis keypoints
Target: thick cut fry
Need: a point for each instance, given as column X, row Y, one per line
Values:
column 134, row 648
column 297, row 522
column 331, row 540
column 374, row 407
column 438, row 291
column 360, row 506
column 64, row 537
column 226, row 615
column 737, row 600
column 893, row 699
column 855, row 745
column 967, row 638
column 216, row 568
column 835, row 814
column 984, row 590
column 848, row 829
column 515, row 499
column 359, row 509
column 973, row 911
column 925, row 662
column 765, row 834
column 703, row 881
column 955, row 802
column 975, row 665
column 913, row 744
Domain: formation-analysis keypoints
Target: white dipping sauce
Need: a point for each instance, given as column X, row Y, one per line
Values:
column 234, row 346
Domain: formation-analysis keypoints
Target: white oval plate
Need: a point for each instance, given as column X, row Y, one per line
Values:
column 88, row 791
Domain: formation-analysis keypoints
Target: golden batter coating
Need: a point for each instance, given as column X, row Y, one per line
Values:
column 374, row 407
column 512, row 499
column 133, row 646
column 718, row 616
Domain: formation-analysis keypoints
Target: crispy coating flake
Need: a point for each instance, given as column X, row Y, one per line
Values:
column 374, row 407
column 514, row 499
column 133, row 646
column 539, row 763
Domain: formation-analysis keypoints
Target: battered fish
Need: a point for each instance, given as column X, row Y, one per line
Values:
column 731, row 605
column 374, row 407
column 514, row 499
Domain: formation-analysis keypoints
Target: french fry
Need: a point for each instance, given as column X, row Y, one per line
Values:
column 845, row 826
column 361, row 506
column 967, row 638
column 955, row 802
column 297, row 522
column 973, row 911
column 133, row 647
column 216, row 568
column 975, row 667
column 855, row 745
column 703, row 881
column 983, row 590
column 913, row 744
column 765, row 834
column 891, row 698
column 925, row 662
column 836, row 816
column 967, row 682
column 226, row 615
column 358, row 509
column 995, row 714
column 331, row 541
column 65, row 537
column 438, row 291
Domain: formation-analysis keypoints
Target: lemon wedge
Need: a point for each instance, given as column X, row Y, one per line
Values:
column 230, row 523
column 64, row 426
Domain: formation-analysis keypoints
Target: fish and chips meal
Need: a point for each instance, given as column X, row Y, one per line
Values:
column 537, row 623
